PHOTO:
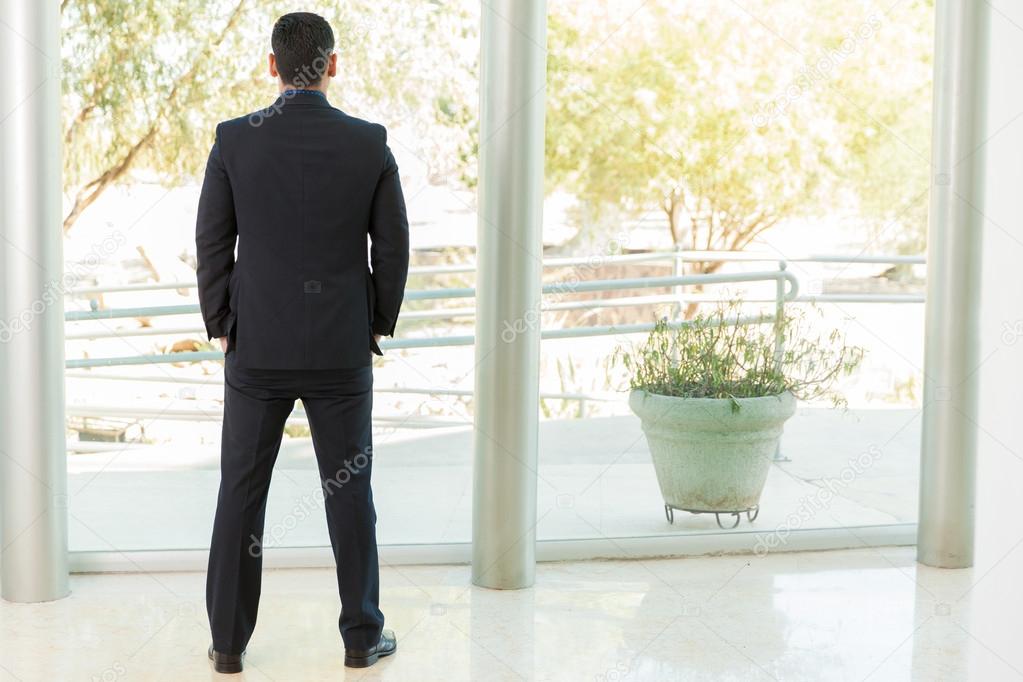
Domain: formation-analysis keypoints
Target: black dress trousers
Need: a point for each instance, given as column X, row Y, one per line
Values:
column 257, row 402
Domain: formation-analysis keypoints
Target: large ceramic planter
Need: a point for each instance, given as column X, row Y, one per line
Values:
column 708, row 456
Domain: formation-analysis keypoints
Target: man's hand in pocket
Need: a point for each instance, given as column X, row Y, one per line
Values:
column 223, row 343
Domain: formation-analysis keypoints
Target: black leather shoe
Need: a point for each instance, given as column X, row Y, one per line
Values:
column 226, row 663
column 363, row 658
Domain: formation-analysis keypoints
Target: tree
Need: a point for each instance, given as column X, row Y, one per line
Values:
column 146, row 81
column 142, row 78
column 882, row 104
column 721, row 119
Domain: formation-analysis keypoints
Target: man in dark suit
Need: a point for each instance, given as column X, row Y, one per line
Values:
column 299, row 188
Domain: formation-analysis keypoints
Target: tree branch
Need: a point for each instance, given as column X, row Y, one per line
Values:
column 91, row 191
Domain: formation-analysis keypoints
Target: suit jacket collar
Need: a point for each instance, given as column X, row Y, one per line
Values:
column 302, row 98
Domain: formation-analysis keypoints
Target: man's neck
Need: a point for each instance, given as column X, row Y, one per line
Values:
column 283, row 88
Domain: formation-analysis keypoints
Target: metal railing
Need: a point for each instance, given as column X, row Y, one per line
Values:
column 780, row 276
column 787, row 290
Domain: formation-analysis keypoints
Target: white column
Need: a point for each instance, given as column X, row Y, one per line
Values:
column 952, row 355
column 33, row 469
column 509, row 257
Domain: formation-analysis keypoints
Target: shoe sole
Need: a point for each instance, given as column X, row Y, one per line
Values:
column 366, row 661
column 226, row 668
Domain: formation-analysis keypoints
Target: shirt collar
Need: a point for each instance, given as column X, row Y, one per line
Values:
column 288, row 94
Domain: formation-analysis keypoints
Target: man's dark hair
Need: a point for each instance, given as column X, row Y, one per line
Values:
column 302, row 43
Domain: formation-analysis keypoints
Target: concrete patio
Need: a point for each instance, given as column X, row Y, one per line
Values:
column 855, row 468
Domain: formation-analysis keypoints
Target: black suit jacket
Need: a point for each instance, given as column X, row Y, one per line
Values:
column 299, row 187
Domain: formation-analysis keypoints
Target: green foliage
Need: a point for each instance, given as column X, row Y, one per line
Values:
column 713, row 357
column 649, row 108
column 145, row 82
column 882, row 105
column 665, row 109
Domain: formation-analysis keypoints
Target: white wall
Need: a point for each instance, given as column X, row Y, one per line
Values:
column 995, row 579
column 1000, row 465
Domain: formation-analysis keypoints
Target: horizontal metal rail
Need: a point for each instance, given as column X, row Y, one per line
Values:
column 297, row 416
column 562, row 288
column 427, row 342
column 575, row 261
column 398, row 390
column 861, row 298
column 589, row 304
column 144, row 311
column 104, row 333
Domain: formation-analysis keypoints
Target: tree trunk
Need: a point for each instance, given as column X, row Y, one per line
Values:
column 700, row 268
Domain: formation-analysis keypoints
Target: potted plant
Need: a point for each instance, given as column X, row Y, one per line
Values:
column 713, row 395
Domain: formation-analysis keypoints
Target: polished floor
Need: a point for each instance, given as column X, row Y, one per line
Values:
column 868, row 614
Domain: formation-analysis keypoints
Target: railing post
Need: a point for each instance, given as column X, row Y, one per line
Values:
column 779, row 336
column 779, row 316
column 33, row 465
column 677, row 270
column 509, row 267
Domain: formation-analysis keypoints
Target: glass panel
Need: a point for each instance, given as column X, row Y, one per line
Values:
column 720, row 131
